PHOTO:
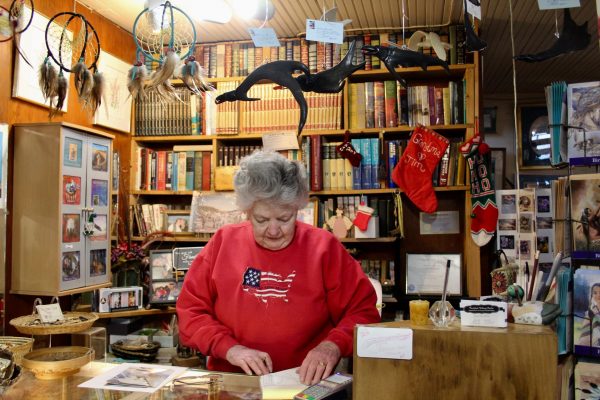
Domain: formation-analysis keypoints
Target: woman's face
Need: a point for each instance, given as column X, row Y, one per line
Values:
column 596, row 294
column 273, row 225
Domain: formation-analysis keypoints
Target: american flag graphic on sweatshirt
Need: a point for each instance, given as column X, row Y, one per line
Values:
column 265, row 285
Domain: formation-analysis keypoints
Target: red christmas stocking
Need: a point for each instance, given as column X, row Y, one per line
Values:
column 414, row 171
column 484, row 212
column 363, row 215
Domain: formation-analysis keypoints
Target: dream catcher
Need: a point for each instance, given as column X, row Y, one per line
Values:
column 15, row 21
column 72, row 43
column 165, row 35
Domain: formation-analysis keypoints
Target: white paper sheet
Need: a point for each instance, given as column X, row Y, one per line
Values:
column 380, row 342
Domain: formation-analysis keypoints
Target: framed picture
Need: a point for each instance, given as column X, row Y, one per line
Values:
column 161, row 264
column 115, row 112
column 425, row 273
column 489, row 119
column 533, row 137
column 165, row 291
column 33, row 45
column 309, row 213
column 178, row 221
column 498, row 167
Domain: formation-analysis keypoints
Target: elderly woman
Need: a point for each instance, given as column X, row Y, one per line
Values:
column 274, row 293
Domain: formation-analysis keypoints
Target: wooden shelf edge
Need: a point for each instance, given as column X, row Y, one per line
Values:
column 390, row 239
column 382, row 191
column 63, row 292
column 180, row 238
column 133, row 313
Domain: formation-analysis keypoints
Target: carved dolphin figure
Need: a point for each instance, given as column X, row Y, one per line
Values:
column 333, row 79
column 572, row 38
column 393, row 57
column 279, row 72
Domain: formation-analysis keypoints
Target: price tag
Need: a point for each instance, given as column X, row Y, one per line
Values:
column 474, row 10
column 50, row 312
column 264, row 37
column 324, row 31
column 553, row 4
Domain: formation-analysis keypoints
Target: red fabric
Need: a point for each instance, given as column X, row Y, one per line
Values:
column 328, row 295
column 414, row 171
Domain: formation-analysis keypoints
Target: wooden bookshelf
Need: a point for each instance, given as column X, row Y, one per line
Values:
column 454, row 197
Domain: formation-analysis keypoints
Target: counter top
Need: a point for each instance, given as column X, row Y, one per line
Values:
column 28, row 387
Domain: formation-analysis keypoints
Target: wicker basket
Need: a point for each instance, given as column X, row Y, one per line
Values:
column 57, row 362
column 73, row 322
column 19, row 346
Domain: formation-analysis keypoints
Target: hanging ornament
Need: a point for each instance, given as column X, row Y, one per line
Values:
column 73, row 44
column 15, row 21
column 165, row 35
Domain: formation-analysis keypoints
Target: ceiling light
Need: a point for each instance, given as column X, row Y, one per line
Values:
column 217, row 11
column 254, row 9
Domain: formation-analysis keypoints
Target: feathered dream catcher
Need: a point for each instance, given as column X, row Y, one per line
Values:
column 165, row 35
column 15, row 21
column 78, row 56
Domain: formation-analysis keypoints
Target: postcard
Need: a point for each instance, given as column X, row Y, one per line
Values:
column 99, row 192
column 129, row 377
column 71, row 226
column 71, row 189
column 72, row 152
column 98, row 262
column 99, row 157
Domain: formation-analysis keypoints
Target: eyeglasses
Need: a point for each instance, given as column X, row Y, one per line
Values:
column 211, row 381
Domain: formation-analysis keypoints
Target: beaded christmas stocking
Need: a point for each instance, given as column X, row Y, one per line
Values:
column 414, row 171
column 484, row 212
column 346, row 150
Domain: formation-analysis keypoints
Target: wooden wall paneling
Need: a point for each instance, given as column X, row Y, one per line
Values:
column 115, row 41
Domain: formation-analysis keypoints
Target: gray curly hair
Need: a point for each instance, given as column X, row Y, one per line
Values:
column 267, row 175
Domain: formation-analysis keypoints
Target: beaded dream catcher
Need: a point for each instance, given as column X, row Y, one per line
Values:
column 165, row 35
column 15, row 21
column 76, row 53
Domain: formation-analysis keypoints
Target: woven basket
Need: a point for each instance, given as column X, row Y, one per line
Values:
column 17, row 345
column 73, row 322
column 57, row 362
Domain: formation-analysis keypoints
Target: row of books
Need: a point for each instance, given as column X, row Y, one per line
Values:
column 386, row 104
column 383, row 207
column 241, row 58
column 157, row 115
column 149, row 218
column 184, row 167
column 278, row 110
column 329, row 171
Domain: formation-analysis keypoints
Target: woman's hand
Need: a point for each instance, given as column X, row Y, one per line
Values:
column 250, row 360
column 319, row 363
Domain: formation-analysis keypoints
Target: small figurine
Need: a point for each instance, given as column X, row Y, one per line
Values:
column 339, row 224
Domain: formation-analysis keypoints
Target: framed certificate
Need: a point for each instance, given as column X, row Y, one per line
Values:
column 425, row 274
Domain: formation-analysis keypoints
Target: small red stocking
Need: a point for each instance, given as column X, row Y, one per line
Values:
column 346, row 150
column 414, row 171
column 363, row 215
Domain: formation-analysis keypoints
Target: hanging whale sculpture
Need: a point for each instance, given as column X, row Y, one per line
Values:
column 572, row 38
column 393, row 57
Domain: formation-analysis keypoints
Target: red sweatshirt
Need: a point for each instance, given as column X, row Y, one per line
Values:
column 281, row 302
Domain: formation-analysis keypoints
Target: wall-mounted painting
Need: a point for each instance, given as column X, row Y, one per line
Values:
column 33, row 45
column 115, row 110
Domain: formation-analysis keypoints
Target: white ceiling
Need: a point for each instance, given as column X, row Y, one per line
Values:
column 533, row 31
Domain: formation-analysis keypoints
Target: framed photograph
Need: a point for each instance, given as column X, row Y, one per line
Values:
column 115, row 112
column 33, row 45
column 308, row 214
column 425, row 273
column 498, row 167
column 489, row 119
column 165, row 291
column 178, row 221
column 533, row 137
column 161, row 264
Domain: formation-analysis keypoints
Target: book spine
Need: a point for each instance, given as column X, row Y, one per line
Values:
column 356, row 171
column 378, row 103
column 391, row 104
column 374, row 145
column 161, row 170
column 206, row 170
column 316, row 177
column 197, row 170
column 366, row 165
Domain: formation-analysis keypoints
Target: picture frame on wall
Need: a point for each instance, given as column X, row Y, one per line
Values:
column 33, row 45
column 498, row 164
column 533, row 137
column 115, row 111
column 489, row 119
